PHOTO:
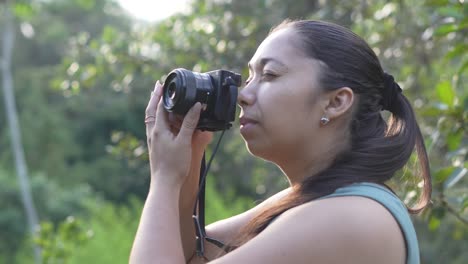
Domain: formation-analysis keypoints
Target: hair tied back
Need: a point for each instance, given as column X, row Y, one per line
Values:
column 390, row 92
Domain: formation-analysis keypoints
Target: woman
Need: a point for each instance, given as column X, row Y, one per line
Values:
column 312, row 105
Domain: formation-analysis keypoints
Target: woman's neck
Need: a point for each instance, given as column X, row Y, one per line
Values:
column 311, row 160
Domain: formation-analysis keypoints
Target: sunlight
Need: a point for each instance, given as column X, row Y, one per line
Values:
column 154, row 10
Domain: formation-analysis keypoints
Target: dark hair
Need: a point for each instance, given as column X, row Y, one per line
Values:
column 377, row 149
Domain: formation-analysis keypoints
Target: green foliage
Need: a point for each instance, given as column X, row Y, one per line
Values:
column 216, row 206
column 450, row 109
column 57, row 246
column 114, row 228
column 52, row 201
column 23, row 9
column 12, row 225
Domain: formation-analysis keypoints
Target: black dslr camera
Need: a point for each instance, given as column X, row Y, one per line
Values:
column 216, row 90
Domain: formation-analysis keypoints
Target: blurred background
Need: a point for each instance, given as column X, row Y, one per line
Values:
column 77, row 74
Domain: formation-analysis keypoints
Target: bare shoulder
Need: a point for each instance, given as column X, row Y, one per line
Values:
column 335, row 230
column 362, row 229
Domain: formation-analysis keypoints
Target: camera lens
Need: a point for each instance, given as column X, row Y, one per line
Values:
column 171, row 91
column 170, row 94
column 183, row 88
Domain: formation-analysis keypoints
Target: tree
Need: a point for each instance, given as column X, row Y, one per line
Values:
column 21, row 168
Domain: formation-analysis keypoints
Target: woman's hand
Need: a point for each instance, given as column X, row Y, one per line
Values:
column 173, row 142
column 200, row 139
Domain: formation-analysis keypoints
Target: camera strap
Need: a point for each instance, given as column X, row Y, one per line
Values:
column 199, row 207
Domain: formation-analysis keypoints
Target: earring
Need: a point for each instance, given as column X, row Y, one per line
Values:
column 324, row 120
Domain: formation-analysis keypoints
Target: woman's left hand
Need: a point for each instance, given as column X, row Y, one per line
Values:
column 170, row 151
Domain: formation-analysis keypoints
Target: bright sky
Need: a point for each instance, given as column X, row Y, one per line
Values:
column 153, row 10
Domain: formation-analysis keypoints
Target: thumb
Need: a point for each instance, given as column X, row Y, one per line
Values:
column 190, row 122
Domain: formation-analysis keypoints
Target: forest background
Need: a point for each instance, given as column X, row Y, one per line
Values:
column 82, row 72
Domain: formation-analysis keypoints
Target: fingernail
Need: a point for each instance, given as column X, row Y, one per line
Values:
column 158, row 88
column 197, row 106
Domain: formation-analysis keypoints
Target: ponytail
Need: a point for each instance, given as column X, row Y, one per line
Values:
column 404, row 128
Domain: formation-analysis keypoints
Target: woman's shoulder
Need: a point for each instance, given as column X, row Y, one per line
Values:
column 359, row 212
column 391, row 202
column 336, row 230
column 353, row 224
column 379, row 193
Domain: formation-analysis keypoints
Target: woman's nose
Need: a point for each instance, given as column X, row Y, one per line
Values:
column 246, row 96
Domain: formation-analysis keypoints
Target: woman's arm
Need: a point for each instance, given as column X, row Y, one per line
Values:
column 225, row 230
column 158, row 238
column 189, row 189
column 172, row 158
column 187, row 200
column 335, row 230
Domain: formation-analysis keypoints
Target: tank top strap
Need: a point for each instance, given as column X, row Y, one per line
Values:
column 394, row 205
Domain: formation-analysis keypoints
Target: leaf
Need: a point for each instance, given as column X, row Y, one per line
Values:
column 445, row 29
column 109, row 34
column 451, row 11
column 458, row 50
column 456, row 176
column 437, row 2
column 454, row 140
column 86, row 4
column 464, row 204
column 443, row 174
column 445, row 93
column 463, row 67
column 23, row 11
column 434, row 223
column 435, row 110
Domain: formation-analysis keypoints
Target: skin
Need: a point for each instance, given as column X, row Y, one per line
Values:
column 280, row 121
column 287, row 84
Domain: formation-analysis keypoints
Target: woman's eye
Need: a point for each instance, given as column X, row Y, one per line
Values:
column 267, row 76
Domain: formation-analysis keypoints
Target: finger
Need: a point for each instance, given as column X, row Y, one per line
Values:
column 162, row 121
column 150, row 113
column 155, row 97
column 190, row 123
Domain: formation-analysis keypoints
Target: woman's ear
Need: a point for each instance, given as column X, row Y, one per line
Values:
column 340, row 101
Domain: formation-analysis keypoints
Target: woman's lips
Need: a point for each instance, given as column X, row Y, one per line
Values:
column 246, row 124
column 245, row 121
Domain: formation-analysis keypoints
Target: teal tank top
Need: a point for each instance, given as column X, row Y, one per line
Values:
column 393, row 204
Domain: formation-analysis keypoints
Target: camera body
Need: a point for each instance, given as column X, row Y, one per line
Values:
column 215, row 90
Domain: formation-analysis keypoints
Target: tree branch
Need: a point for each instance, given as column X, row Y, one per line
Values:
column 454, row 211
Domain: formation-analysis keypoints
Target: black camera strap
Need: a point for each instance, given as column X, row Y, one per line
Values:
column 199, row 207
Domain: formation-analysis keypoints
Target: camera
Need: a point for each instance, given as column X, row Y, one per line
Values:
column 215, row 90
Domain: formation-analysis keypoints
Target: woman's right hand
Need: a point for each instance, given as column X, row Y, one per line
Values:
column 200, row 141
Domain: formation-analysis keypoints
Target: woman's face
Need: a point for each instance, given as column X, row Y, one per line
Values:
column 281, row 103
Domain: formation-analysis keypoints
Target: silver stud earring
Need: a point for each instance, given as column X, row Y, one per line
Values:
column 324, row 120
